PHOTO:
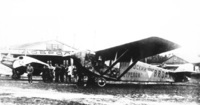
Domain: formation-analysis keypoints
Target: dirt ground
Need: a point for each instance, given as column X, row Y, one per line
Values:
column 20, row 92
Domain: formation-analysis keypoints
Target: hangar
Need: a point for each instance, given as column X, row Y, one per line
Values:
column 50, row 51
column 176, row 62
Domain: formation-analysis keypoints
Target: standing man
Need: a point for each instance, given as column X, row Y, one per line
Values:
column 57, row 73
column 51, row 73
column 45, row 73
column 75, row 73
column 29, row 71
column 70, row 72
column 66, row 74
column 62, row 73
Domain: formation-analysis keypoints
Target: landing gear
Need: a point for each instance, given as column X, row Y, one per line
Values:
column 95, row 81
column 17, row 72
column 82, row 81
column 101, row 82
column 15, row 75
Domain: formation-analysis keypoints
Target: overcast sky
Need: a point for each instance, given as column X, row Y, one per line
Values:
column 90, row 24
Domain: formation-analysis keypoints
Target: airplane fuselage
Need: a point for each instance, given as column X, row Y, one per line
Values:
column 144, row 72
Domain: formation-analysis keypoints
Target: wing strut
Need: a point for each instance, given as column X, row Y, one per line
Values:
column 134, row 62
column 115, row 62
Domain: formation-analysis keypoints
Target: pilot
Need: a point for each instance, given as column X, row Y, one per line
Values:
column 29, row 71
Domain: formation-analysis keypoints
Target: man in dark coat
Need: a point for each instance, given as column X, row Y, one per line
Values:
column 45, row 73
column 57, row 73
column 51, row 73
column 62, row 72
column 66, row 74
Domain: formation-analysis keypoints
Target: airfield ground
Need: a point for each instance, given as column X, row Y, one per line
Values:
column 20, row 92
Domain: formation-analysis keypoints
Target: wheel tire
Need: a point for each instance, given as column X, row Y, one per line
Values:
column 101, row 82
column 16, row 76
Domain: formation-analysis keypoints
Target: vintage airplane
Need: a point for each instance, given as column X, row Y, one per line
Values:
column 18, row 65
column 121, row 63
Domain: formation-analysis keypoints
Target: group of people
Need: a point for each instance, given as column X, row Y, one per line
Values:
column 58, row 73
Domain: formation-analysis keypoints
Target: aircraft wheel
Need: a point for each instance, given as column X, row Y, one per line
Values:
column 18, row 76
column 15, row 76
column 101, row 82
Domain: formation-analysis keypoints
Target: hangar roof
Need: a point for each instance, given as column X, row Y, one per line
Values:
column 51, row 47
column 175, row 60
column 45, row 45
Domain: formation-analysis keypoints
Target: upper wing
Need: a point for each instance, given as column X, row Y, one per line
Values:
column 24, row 60
column 138, row 49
